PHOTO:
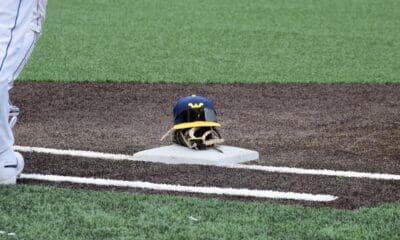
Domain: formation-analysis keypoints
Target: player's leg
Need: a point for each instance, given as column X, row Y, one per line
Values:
column 15, row 42
column 32, row 35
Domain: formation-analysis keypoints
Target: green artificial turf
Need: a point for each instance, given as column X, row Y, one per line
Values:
column 36, row 212
column 202, row 41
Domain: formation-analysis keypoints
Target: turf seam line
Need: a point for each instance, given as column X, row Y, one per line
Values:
column 243, row 192
column 289, row 170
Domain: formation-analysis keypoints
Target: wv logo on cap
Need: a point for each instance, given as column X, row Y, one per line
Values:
column 195, row 105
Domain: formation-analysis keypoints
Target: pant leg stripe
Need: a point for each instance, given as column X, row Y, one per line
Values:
column 11, row 37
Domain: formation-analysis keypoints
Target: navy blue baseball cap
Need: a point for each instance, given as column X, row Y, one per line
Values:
column 194, row 111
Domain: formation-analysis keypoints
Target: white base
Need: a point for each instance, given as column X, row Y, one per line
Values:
column 175, row 154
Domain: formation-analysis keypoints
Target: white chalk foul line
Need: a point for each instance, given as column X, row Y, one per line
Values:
column 74, row 153
column 321, row 172
column 303, row 171
column 243, row 192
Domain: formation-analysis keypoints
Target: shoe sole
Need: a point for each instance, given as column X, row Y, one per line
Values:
column 10, row 181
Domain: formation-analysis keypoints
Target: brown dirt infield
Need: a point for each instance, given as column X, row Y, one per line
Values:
column 341, row 127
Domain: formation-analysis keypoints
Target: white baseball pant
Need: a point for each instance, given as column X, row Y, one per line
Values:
column 20, row 26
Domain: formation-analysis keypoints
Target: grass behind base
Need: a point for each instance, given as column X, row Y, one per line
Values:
column 36, row 212
column 225, row 41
